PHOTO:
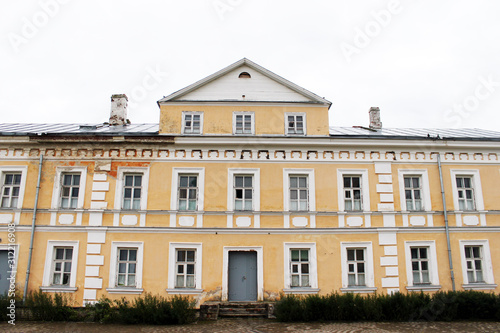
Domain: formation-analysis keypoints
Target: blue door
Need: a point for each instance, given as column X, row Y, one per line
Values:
column 242, row 272
column 4, row 267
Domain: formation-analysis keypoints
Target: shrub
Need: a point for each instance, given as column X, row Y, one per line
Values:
column 443, row 306
column 45, row 307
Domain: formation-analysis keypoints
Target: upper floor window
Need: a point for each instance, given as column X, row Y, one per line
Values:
column 11, row 187
column 467, row 193
column 413, row 192
column 295, row 123
column 352, row 193
column 299, row 195
column 243, row 192
column 243, row 123
column 192, row 122
column 188, row 192
column 70, row 190
column 132, row 191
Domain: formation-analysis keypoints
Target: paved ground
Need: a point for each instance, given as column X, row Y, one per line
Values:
column 256, row 326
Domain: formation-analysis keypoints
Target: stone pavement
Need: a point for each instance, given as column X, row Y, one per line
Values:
column 256, row 326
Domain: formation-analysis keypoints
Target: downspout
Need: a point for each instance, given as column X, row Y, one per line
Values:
column 446, row 223
column 33, row 229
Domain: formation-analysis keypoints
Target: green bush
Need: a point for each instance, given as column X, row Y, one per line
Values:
column 45, row 307
column 155, row 310
column 441, row 306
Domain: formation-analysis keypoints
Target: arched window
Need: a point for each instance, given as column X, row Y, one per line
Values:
column 244, row 75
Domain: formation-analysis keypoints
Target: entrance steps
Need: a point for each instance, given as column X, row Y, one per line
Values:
column 215, row 310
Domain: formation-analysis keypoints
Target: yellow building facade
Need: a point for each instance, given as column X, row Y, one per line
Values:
column 242, row 192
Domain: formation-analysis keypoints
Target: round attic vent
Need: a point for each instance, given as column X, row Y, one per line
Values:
column 244, row 75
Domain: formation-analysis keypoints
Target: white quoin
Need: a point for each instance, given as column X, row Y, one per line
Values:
column 375, row 122
column 118, row 114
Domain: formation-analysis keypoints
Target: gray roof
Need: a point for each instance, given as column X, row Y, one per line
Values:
column 75, row 129
column 416, row 133
column 339, row 132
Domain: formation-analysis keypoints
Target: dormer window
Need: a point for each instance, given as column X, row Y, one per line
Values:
column 192, row 122
column 295, row 123
column 244, row 75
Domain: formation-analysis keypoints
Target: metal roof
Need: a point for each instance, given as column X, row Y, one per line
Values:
column 78, row 129
column 339, row 132
column 415, row 133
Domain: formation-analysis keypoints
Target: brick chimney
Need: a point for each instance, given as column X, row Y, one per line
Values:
column 118, row 114
column 375, row 122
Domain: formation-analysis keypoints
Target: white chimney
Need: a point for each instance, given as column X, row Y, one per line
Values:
column 375, row 122
column 118, row 114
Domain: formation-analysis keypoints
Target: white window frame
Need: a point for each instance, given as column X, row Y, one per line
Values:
column 369, row 272
column 113, row 273
column 304, row 123
column 433, row 266
column 489, row 280
column 184, row 113
column 48, row 268
column 424, row 185
column 252, row 120
column 476, row 185
column 313, row 269
column 365, row 189
column 121, row 173
column 56, row 193
column 309, row 173
column 173, row 247
column 255, row 173
column 14, row 169
column 174, row 200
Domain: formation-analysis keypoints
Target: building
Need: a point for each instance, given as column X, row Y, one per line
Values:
column 242, row 192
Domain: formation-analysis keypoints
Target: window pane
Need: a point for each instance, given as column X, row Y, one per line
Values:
column 183, row 181
column 190, row 269
column 190, row 281
column 295, row 280
column 295, row 255
column 248, row 181
column 131, row 281
column 305, row 281
column 238, row 181
column 350, row 254
column 190, row 256
column 304, row 255
column 304, row 268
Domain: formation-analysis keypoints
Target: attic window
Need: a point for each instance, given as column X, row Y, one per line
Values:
column 244, row 75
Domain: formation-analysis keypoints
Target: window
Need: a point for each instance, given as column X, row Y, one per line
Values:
column 184, row 268
column 11, row 187
column 299, row 262
column 465, row 193
column 132, row 191
column 243, row 123
column 300, row 184
column 61, row 261
column 69, row 188
column 421, row 265
column 243, row 192
column 357, row 267
column 298, row 193
column 125, row 270
column 352, row 193
column 188, row 192
column 61, row 269
column 295, row 123
column 127, row 264
column 192, row 122
column 413, row 190
column 477, row 266
column 300, row 268
column 353, row 190
column 474, row 263
column 132, row 188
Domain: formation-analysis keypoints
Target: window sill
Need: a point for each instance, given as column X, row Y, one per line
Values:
column 358, row 290
column 301, row 291
column 423, row 287
column 479, row 286
column 184, row 291
column 56, row 289
column 124, row 290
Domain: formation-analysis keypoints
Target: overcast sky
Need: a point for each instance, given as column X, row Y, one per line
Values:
column 425, row 63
